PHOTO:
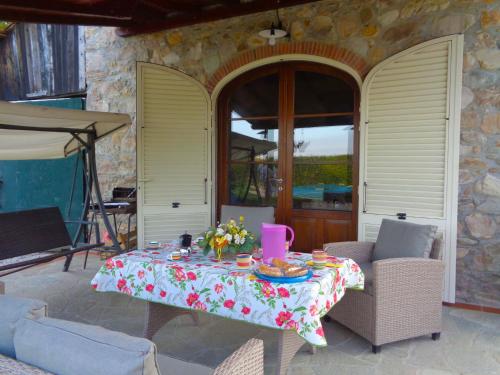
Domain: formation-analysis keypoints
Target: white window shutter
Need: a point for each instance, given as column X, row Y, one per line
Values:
column 173, row 154
column 406, row 134
column 410, row 139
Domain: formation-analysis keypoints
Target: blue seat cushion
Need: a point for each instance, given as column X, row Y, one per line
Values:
column 11, row 310
column 70, row 348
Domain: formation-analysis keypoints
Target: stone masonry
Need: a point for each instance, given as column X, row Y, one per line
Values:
column 373, row 30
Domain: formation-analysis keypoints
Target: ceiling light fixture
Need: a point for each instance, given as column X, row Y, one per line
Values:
column 276, row 31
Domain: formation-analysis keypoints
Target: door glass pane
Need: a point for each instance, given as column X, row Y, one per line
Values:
column 252, row 184
column 320, row 93
column 254, row 156
column 254, row 140
column 322, row 164
column 256, row 98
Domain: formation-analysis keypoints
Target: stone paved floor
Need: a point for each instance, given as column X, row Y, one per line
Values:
column 470, row 342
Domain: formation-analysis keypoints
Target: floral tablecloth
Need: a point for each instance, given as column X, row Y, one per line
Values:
column 202, row 283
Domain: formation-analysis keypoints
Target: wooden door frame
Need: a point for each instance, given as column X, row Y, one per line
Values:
column 289, row 211
column 223, row 127
column 285, row 124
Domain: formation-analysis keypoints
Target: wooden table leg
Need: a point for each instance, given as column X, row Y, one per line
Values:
column 289, row 343
column 157, row 315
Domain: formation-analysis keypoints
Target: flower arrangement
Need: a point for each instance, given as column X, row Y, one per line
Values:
column 230, row 237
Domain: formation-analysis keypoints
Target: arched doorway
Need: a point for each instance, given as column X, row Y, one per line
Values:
column 288, row 137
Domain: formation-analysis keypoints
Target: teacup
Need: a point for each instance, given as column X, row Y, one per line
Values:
column 153, row 245
column 244, row 261
column 175, row 255
column 319, row 258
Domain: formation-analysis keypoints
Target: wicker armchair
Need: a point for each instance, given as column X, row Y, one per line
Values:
column 402, row 297
column 247, row 360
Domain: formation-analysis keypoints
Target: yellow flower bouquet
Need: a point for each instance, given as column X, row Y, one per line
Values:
column 227, row 238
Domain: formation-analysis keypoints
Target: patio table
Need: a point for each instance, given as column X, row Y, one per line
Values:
column 201, row 283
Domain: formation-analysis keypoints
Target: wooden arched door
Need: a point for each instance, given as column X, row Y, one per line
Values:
column 288, row 138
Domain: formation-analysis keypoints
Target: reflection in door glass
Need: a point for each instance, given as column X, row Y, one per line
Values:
column 253, row 159
column 320, row 93
column 322, row 164
column 257, row 98
column 254, row 140
column 253, row 184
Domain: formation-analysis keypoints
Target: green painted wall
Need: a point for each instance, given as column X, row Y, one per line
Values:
column 30, row 184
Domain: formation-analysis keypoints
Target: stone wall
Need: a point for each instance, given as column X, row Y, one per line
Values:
column 372, row 29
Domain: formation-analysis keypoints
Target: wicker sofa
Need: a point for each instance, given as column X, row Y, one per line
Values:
column 402, row 298
column 32, row 343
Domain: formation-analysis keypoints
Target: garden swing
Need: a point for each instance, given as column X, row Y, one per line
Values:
column 27, row 132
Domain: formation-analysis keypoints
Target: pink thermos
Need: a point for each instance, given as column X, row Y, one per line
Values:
column 274, row 243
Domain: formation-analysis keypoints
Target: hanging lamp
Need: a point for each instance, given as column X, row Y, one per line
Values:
column 276, row 31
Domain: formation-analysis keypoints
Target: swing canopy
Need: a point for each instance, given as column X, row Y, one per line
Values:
column 33, row 132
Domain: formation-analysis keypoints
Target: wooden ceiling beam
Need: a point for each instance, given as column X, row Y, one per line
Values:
column 107, row 8
column 169, row 6
column 208, row 16
column 30, row 15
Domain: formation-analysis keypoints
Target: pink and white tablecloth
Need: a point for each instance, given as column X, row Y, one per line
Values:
column 200, row 282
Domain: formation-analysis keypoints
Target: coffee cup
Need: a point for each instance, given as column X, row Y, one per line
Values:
column 175, row 255
column 319, row 258
column 153, row 245
column 244, row 261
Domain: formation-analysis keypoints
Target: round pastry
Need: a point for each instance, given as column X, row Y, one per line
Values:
column 296, row 271
column 270, row 270
column 281, row 264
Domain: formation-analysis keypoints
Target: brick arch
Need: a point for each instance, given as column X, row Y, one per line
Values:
column 329, row 51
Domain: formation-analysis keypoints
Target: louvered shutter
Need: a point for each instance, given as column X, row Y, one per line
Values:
column 174, row 154
column 407, row 112
column 410, row 137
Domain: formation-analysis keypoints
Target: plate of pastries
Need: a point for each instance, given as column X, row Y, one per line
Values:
column 280, row 271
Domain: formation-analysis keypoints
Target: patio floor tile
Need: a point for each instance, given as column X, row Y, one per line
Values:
column 469, row 344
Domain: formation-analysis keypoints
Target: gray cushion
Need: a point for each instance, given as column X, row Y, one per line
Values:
column 11, row 310
column 437, row 247
column 173, row 366
column 401, row 239
column 367, row 269
column 69, row 348
column 254, row 216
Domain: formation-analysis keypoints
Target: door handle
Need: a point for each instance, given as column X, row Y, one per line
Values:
column 365, row 187
column 205, row 190
column 279, row 183
column 175, row 204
